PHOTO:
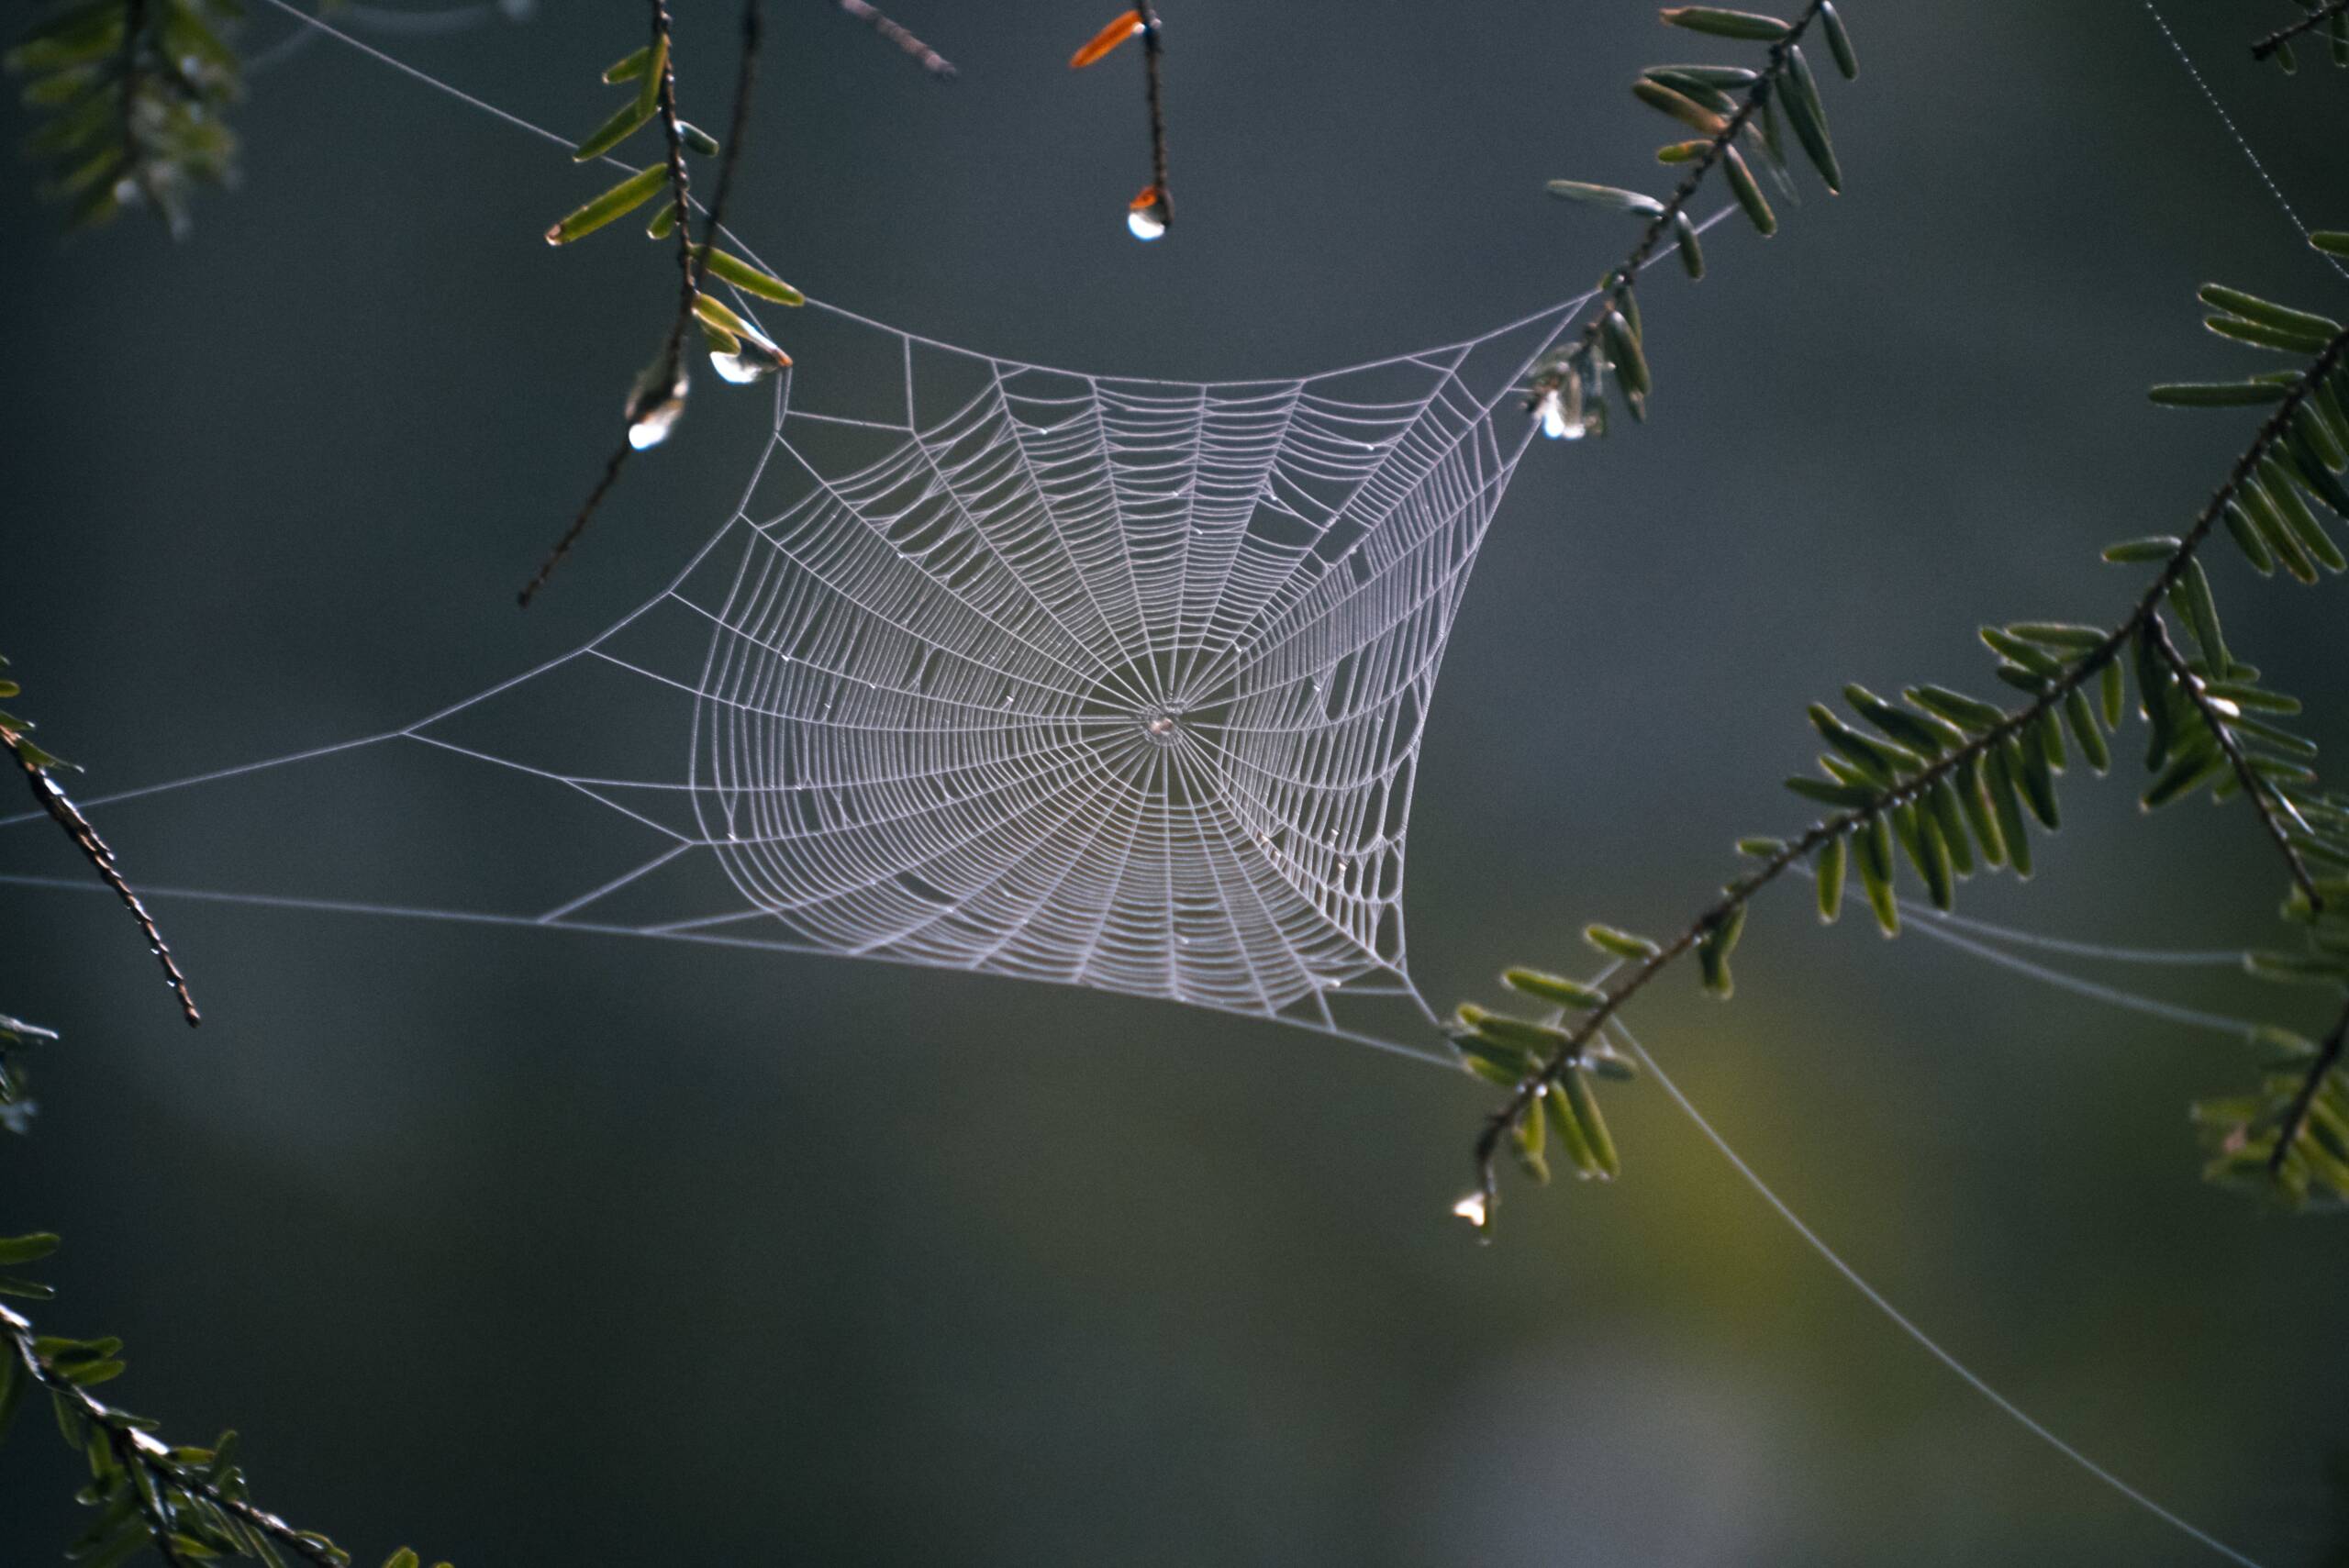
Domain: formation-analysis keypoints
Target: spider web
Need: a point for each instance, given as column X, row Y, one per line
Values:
column 1105, row 681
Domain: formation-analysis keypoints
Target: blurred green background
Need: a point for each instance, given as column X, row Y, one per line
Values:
column 533, row 1248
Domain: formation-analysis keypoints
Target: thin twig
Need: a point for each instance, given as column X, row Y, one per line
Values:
column 2308, row 23
column 1736, row 896
column 692, row 259
column 1152, row 51
column 928, row 59
column 2256, row 789
column 135, row 163
column 2296, row 1121
column 612, row 466
column 78, row 828
column 689, row 258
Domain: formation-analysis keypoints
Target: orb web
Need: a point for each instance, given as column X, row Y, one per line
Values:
column 1109, row 681
column 1112, row 682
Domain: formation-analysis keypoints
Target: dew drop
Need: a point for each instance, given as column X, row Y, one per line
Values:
column 651, row 415
column 1558, row 422
column 1147, row 214
column 742, row 367
column 1472, row 1210
column 653, row 425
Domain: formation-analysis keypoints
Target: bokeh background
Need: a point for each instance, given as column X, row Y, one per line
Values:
column 532, row 1248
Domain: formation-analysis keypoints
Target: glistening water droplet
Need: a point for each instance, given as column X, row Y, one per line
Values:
column 742, row 367
column 741, row 356
column 1147, row 214
column 1472, row 1210
column 1560, row 422
column 652, row 427
column 651, row 415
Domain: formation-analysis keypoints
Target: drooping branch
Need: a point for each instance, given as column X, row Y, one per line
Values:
column 1606, row 1001
column 663, row 388
column 2282, row 37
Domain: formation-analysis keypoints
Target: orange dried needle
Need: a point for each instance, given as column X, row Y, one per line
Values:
column 1107, row 39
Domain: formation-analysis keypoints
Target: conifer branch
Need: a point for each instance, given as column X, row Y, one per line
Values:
column 2282, row 37
column 1600, row 1003
column 133, row 97
column 1616, row 288
column 662, row 389
column 169, row 1489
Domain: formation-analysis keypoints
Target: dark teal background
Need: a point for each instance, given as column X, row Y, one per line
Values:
column 535, row 1248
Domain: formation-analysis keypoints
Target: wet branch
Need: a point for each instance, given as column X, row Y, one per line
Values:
column 691, row 258
column 2308, row 23
column 1630, row 981
column 95, row 849
column 134, row 1449
column 1618, row 284
column 928, row 59
column 1153, row 52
